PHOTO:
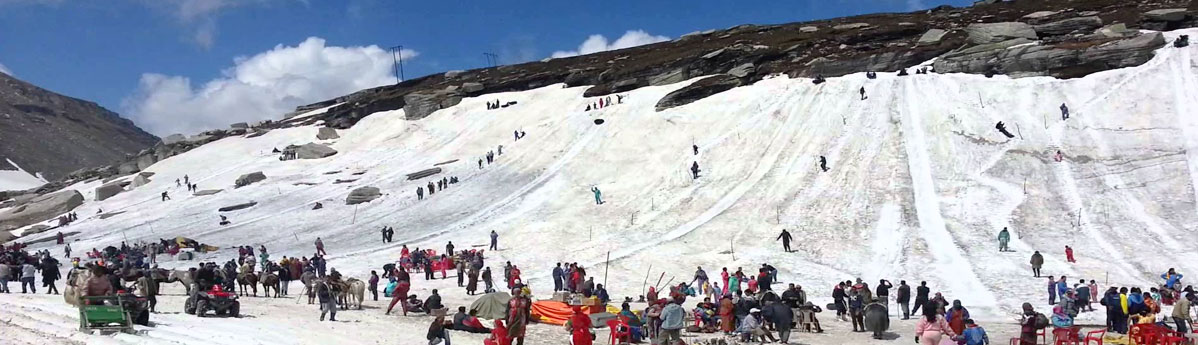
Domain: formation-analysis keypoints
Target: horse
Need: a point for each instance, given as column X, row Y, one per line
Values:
column 181, row 276
column 269, row 280
column 73, row 291
column 351, row 290
column 309, row 279
column 247, row 279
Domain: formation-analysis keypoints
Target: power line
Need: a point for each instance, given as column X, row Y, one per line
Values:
column 492, row 59
column 397, row 56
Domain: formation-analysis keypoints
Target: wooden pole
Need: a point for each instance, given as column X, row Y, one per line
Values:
column 606, row 266
column 646, row 282
column 663, row 275
column 355, row 220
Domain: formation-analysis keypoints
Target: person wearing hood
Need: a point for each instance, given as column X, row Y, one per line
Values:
column 580, row 327
column 673, row 316
column 956, row 317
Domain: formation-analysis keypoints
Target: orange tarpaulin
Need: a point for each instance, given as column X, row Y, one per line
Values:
column 556, row 313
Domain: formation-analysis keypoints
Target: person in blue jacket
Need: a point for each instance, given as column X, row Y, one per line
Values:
column 1171, row 278
column 1062, row 286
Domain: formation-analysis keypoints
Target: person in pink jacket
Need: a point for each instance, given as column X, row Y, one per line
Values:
column 932, row 327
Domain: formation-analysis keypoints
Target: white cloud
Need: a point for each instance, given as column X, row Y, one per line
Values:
column 598, row 43
column 915, row 5
column 4, row 69
column 263, row 86
column 199, row 16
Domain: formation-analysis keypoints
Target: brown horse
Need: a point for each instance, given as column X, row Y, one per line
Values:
column 269, row 280
column 247, row 279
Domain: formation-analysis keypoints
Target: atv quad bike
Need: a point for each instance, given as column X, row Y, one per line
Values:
column 215, row 300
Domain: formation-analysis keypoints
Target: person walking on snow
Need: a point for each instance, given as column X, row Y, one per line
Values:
column 1052, row 291
column 320, row 247
column 921, row 296
column 823, row 163
column 1064, row 112
column 598, row 195
column 863, row 93
column 1037, row 262
column 1069, row 254
column 494, row 240
column 695, row 170
column 419, row 193
column 1004, row 237
column 904, row 299
column 785, row 237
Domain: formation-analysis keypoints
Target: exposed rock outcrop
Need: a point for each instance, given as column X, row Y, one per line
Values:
column 698, row 90
column 109, row 190
column 362, row 195
column 314, row 151
column 248, row 179
column 1019, row 58
column 327, row 133
column 39, row 209
column 236, row 207
column 983, row 33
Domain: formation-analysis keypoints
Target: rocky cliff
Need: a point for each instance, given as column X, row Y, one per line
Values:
column 52, row 134
column 1059, row 38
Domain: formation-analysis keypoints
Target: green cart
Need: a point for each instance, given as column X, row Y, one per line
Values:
column 105, row 314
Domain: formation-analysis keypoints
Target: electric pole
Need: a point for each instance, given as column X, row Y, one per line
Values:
column 492, row 59
column 397, row 62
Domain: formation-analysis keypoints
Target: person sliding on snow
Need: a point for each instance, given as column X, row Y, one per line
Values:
column 165, row 197
column 1003, row 238
column 823, row 163
column 1003, row 129
column 598, row 195
column 1058, row 157
column 1069, row 254
column 785, row 237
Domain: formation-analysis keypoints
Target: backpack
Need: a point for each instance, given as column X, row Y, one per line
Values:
column 1041, row 321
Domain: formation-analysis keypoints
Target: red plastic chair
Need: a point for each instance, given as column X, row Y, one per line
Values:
column 1043, row 334
column 1141, row 334
column 1171, row 338
column 616, row 335
column 1095, row 336
column 1065, row 336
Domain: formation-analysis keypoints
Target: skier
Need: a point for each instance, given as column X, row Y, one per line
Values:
column 785, row 237
column 419, row 193
column 1003, row 238
column 863, row 93
column 823, row 163
column 1064, row 112
column 695, row 170
column 598, row 195
column 494, row 240
column 1037, row 262
column 1003, row 129
column 1069, row 254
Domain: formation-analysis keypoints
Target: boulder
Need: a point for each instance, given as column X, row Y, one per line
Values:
column 1067, row 26
column 983, row 33
column 362, row 195
column 418, row 105
column 248, row 179
column 243, row 205
column 808, row 29
column 173, row 139
column 326, row 133
column 128, row 167
column 239, row 125
column 1040, row 15
column 139, row 181
column 423, row 173
column 677, row 75
column 743, row 70
column 453, row 74
column 40, row 209
column 313, row 151
column 145, row 161
column 1118, row 30
column 1166, row 15
column 1016, row 58
column 207, row 192
column 931, row 37
column 472, row 87
column 108, row 190
column 698, row 90
column 850, row 26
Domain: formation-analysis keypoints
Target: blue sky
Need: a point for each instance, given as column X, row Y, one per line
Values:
column 120, row 53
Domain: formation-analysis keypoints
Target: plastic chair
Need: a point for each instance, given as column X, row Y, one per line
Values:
column 1065, row 336
column 1171, row 338
column 1096, row 336
column 1043, row 334
column 616, row 334
column 1141, row 334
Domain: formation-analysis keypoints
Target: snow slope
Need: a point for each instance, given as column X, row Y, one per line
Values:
column 19, row 179
column 919, row 184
